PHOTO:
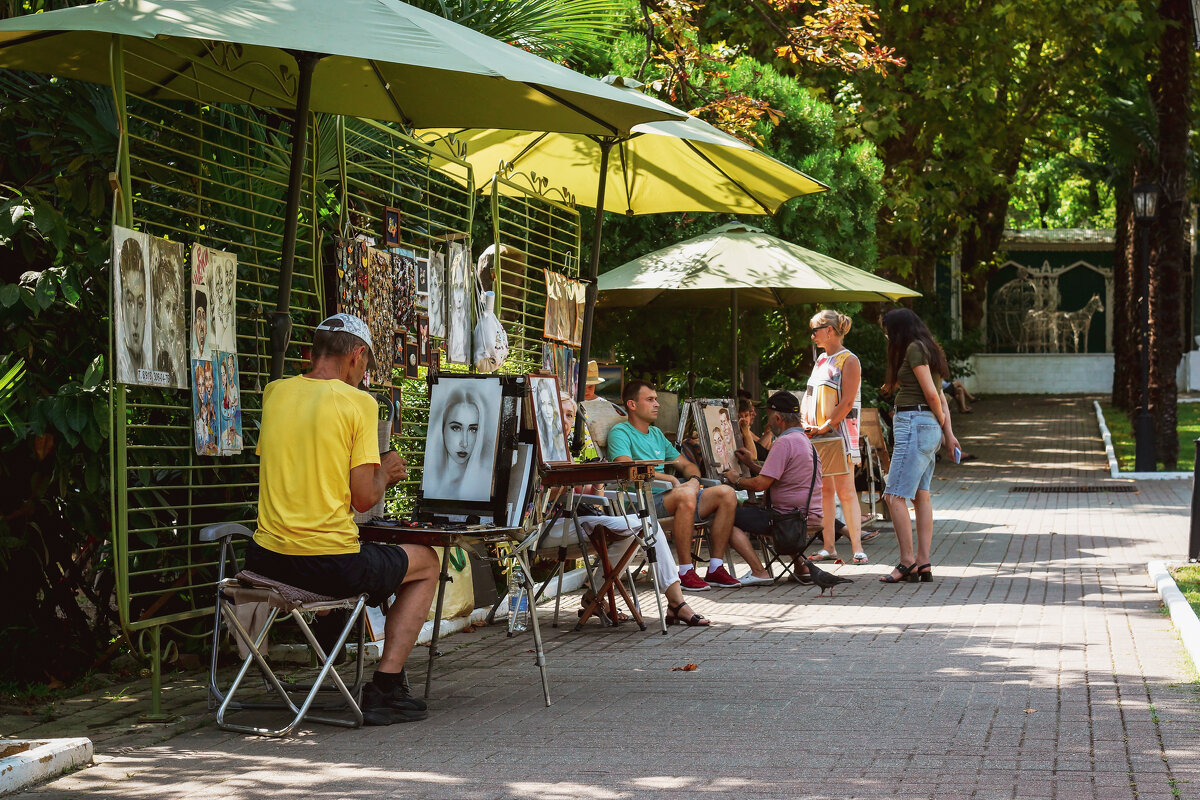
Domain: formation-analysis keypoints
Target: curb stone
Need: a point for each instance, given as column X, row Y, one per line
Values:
column 1114, row 469
column 1182, row 613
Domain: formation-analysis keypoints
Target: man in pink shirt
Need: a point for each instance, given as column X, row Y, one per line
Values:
column 787, row 476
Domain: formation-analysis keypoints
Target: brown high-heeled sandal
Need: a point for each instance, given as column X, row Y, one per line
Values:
column 694, row 621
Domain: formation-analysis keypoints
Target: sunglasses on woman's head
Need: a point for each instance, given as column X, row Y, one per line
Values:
column 821, row 327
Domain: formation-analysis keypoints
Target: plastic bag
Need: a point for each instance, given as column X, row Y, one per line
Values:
column 491, row 342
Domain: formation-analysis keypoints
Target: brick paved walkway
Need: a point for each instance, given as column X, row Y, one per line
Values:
column 1037, row 665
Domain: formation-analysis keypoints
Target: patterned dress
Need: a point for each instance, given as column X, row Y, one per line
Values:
column 823, row 394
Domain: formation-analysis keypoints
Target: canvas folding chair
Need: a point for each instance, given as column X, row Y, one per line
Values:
column 248, row 605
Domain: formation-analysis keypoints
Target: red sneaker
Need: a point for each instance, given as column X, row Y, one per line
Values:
column 690, row 581
column 719, row 578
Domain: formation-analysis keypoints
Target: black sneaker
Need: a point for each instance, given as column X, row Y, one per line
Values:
column 405, row 691
column 379, row 708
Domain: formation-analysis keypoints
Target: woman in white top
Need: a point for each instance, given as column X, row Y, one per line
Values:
column 831, row 407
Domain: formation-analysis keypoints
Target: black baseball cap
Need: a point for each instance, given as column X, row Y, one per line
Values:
column 784, row 402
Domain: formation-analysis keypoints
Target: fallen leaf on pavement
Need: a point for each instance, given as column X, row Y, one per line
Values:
column 685, row 668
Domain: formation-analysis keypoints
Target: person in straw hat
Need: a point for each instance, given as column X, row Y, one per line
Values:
column 593, row 380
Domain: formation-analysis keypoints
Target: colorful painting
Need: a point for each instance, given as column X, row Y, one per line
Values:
column 404, row 289
column 717, row 433
column 391, row 227
column 352, row 277
column 204, row 415
column 227, row 403
column 380, row 313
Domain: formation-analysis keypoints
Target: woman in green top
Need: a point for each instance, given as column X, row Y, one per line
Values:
column 920, row 424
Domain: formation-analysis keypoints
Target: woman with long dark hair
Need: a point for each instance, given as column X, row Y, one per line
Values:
column 916, row 366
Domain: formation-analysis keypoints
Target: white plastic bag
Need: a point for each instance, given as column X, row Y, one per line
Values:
column 491, row 342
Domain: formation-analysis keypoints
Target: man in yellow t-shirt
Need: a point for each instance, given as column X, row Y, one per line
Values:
column 319, row 458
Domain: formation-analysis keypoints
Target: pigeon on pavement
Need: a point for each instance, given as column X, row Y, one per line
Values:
column 826, row 580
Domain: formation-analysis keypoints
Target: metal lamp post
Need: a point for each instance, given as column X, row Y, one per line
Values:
column 1145, row 206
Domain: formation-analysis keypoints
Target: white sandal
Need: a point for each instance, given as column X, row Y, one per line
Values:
column 824, row 555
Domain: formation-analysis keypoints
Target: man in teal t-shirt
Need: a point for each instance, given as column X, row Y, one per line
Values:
column 639, row 440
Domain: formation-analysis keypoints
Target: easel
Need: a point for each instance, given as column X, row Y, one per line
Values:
column 632, row 478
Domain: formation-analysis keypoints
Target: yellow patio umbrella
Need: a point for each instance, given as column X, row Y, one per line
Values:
column 654, row 168
column 738, row 263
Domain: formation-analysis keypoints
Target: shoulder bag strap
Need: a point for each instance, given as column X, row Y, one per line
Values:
column 813, row 481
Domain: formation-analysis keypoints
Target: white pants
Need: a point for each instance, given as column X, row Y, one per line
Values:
column 621, row 530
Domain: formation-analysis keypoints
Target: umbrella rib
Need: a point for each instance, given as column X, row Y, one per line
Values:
column 625, row 180
column 625, row 173
column 766, row 209
column 540, row 138
column 387, row 89
column 33, row 37
column 568, row 104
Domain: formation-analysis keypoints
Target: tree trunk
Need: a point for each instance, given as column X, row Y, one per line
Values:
column 1125, row 303
column 1170, row 91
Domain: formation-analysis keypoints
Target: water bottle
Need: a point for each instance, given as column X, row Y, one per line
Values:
column 518, row 600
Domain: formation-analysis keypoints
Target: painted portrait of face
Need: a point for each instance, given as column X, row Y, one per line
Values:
column 200, row 323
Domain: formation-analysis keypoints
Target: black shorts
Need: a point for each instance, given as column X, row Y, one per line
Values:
column 376, row 570
column 754, row 519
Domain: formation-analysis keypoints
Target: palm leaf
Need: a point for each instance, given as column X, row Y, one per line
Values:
column 554, row 29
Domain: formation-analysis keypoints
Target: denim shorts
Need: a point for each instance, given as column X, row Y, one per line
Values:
column 917, row 439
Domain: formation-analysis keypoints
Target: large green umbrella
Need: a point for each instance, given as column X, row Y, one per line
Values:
column 381, row 59
column 739, row 264
column 653, row 168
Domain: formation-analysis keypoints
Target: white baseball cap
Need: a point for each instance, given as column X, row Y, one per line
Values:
column 348, row 323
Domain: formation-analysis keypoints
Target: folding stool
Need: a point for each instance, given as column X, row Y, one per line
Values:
column 787, row 564
column 281, row 601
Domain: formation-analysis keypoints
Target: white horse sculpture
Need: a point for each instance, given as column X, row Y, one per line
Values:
column 1077, row 324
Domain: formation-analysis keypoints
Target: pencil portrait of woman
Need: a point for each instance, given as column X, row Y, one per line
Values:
column 460, row 449
column 552, row 439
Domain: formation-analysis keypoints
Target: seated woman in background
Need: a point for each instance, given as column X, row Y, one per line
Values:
column 960, row 394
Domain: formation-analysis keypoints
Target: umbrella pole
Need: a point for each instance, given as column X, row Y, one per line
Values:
column 281, row 318
column 589, row 310
column 733, row 325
